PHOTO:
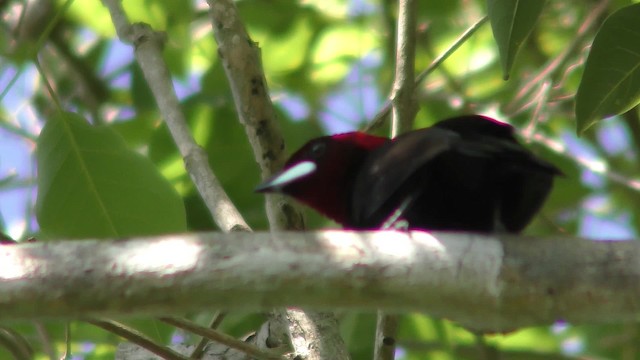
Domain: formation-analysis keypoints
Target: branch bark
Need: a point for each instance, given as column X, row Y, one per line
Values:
column 404, row 112
column 435, row 64
column 486, row 283
column 243, row 66
column 402, row 96
column 148, row 51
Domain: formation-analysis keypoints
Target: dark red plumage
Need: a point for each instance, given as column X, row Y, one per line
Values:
column 464, row 173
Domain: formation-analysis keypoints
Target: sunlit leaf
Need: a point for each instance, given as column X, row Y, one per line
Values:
column 277, row 55
column 512, row 22
column 336, row 48
column 91, row 185
column 611, row 81
column 99, row 21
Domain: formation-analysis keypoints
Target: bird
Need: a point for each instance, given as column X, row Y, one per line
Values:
column 466, row 173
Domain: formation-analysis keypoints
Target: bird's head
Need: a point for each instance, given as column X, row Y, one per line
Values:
column 320, row 173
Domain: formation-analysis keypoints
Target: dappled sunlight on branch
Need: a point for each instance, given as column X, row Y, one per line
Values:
column 170, row 256
column 16, row 267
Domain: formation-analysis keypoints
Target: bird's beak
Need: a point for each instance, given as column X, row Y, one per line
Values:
column 287, row 176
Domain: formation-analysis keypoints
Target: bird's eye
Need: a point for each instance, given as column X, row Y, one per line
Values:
column 317, row 150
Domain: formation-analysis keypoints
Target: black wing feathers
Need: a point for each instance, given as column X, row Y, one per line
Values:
column 389, row 167
column 464, row 173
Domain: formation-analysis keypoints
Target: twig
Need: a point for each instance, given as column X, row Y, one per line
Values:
column 402, row 95
column 382, row 114
column 45, row 341
column 148, row 50
column 216, row 320
column 559, row 62
column 222, row 338
column 598, row 167
column 137, row 338
column 15, row 129
column 12, row 82
column 47, row 84
column 539, row 114
column 456, row 44
column 14, row 343
column 403, row 114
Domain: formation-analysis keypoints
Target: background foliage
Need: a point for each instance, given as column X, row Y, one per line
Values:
column 329, row 66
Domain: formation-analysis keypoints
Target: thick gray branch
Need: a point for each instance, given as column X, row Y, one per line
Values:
column 482, row 282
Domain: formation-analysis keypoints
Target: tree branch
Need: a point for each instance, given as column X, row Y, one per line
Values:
column 222, row 338
column 435, row 64
column 386, row 333
column 243, row 66
column 558, row 63
column 137, row 338
column 148, row 51
column 402, row 96
column 483, row 282
column 404, row 112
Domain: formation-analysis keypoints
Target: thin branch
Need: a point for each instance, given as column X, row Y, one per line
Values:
column 15, row 344
column 7, row 125
column 51, row 24
column 559, row 62
column 386, row 109
column 137, row 338
column 452, row 49
column 601, row 168
column 52, row 94
column 45, row 340
column 539, row 114
column 222, row 338
column 216, row 320
column 11, row 82
column 242, row 63
column 402, row 96
column 403, row 114
column 148, row 50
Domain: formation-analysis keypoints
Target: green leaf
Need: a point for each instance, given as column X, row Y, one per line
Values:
column 141, row 94
column 611, row 81
column 512, row 22
column 336, row 48
column 91, row 185
column 225, row 142
column 99, row 21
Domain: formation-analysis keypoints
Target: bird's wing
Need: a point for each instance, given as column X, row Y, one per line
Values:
column 387, row 168
column 524, row 179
